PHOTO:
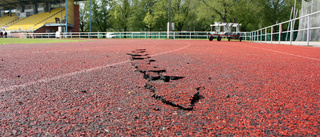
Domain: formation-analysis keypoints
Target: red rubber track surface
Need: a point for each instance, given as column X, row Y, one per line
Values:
column 91, row 88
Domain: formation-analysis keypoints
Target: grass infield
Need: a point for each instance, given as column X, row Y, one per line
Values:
column 31, row 41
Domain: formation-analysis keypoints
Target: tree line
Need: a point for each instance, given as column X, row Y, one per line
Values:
column 187, row 15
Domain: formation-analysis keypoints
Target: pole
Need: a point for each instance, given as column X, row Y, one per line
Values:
column 89, row 18
column 169, row 25
column 308, row 31
column 66, row 16
column 271, row 34
column 291, row 32
column 261, row 35
column 280, row 31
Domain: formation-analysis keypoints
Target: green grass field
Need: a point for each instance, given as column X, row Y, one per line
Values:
column 31, row 41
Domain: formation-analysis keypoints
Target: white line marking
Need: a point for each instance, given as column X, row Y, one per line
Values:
column 286, row 53
column 46, row 80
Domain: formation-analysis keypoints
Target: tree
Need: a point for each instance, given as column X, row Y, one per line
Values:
column 100, row 17
column 83, row 23
column 180, row 13
column 149, row 20
column 120, row 14
column 221, row 7
column 274, row 11
column 100, row 13
column 139, row 10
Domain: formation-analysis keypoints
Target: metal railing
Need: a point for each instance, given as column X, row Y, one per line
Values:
column 270, row 33
column 123, row 35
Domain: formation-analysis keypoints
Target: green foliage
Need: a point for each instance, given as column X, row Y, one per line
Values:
column 100, row 16
column 188, row 15
column 120, row 15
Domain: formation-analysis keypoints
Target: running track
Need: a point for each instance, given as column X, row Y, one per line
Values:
column 91, row 89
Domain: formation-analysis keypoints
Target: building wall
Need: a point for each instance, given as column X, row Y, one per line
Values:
column 45, row 30
column 76, row 19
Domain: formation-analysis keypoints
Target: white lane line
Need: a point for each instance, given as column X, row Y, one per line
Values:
column 286, row 53
column 46, row 80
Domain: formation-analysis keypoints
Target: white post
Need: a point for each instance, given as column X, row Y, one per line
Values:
column 159, row 35
column 251, row 36
column 174, row 35
column 145, row 35
column 280, row 31
column 207, row 35
column 271, row 34
column 98, row 35
column 190, row 35
column 308, row 31
column 291, row 32
column 261, row 35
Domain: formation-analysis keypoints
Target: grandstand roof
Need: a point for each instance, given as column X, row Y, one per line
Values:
column 14, row 3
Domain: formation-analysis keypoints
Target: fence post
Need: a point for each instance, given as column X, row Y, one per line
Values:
column 190, row 35
column 271, row 34
column 308, row 31
column 251, row 36
column 131, row 35
column 261, row 35
column 291, row 32
column 280, row 31
column 174, row 35
column 159, row 35
column 145, row 35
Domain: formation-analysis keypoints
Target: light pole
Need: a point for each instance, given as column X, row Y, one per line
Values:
column 169, row 25
column 89, row 18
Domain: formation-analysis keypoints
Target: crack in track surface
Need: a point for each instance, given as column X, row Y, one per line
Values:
column 46, row 80
column 155, row 74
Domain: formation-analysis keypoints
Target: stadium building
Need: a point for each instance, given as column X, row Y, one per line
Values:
column 39, row 16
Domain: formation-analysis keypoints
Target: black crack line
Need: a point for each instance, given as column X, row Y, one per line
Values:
column 135, row 55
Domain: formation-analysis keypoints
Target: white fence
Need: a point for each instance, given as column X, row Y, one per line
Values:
column 276, row 32
column 123, row 35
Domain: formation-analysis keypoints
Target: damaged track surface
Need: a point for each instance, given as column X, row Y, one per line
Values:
column 159, row 82
column 250, row 89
